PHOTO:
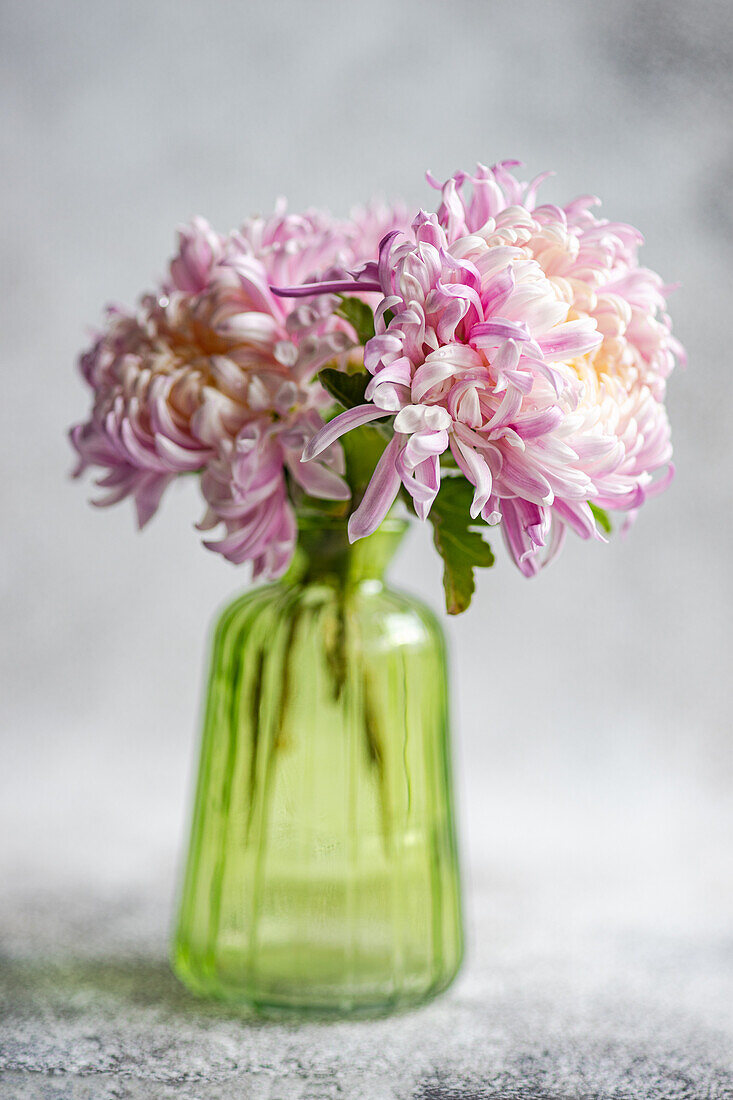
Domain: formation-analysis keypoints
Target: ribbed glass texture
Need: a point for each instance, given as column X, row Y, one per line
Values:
column 322, row 874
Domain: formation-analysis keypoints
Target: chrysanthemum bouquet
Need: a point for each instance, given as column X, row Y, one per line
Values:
column 497, row 363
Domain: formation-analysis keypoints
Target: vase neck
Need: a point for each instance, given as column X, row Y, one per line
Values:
column 324, row 553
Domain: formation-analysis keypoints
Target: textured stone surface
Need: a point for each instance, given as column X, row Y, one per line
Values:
column 543, row 1011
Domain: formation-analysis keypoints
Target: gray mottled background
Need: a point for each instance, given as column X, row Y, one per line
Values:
column 593, row 705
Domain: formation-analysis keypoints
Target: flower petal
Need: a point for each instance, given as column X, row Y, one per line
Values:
column 340, row 425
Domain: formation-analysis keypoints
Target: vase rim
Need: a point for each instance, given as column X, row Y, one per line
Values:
column 324, row 549
column 314, row 522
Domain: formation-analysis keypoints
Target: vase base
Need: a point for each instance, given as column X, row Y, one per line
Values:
column 284, row 1010
column 282, row 1000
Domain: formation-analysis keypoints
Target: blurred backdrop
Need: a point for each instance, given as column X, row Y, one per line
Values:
column 593, row 708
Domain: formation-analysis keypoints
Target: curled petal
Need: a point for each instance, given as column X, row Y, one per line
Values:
column 475, row 467
column 569, row 340
column 417, row 418
column 422, row 482
column 340, row 425
column 424, row 445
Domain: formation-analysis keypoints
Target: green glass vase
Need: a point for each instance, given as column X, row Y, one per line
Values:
column 322, row 874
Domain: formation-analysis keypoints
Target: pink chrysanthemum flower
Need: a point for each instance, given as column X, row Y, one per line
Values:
column 526, row 341
column 216, row 374
column 368, row 225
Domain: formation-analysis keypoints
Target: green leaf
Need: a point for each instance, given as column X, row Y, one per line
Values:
column 602, row 518
column 459, row 542
column 347, row 389
column 359, row 315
